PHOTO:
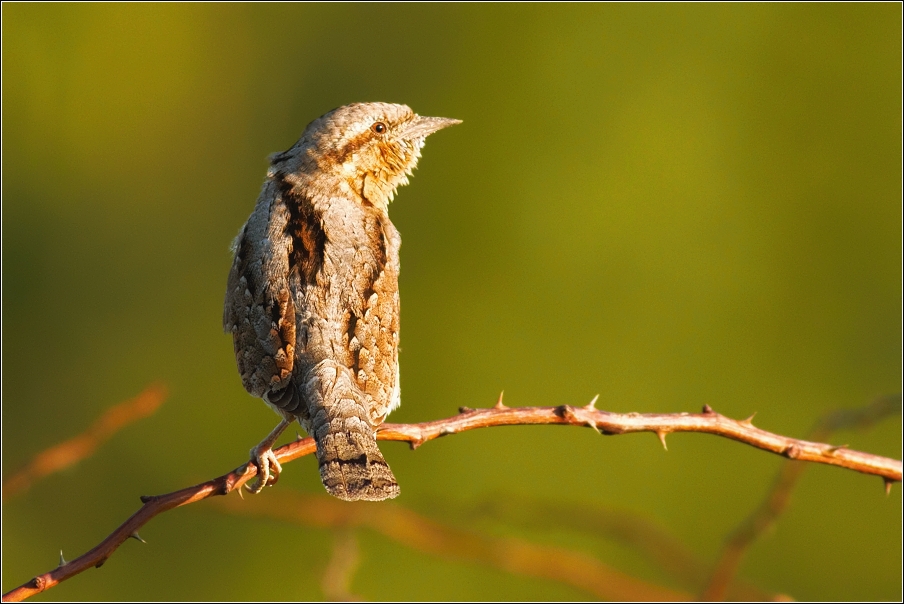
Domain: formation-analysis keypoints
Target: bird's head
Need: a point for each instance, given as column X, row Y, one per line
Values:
column 370, row 147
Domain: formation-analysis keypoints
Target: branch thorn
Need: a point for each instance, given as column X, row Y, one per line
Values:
column 63, row 561
column 707, row 409
column 661, row 434
column 834, row 449
column 888, row 483
column 499, row 404
column 592, row 424
column 465, row 410
column 137, row 537
column 749, row 420
column 591, row 406
column 241, row 495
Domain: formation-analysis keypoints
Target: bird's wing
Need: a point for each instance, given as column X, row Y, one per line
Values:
column 259, row 311
column 377, row 329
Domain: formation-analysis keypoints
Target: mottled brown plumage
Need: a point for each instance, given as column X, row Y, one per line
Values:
column 312, row 299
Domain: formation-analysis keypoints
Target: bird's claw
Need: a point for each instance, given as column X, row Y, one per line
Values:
column 268, row 469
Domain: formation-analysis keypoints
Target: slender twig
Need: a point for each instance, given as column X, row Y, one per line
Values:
column 75, row 449
column 469, row 419
column 409, row 528
column 779, row 496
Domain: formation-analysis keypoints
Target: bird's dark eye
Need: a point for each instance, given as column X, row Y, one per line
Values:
column 379, row 127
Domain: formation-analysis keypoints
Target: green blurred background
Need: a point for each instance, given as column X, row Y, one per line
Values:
column 669, row 205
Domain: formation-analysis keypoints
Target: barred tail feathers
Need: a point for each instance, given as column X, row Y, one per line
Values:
column 351, row 465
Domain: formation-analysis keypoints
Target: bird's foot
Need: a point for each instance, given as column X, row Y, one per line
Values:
column 268, row 468
column 264, row 458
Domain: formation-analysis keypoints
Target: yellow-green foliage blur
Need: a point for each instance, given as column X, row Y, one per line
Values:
column 668, row 205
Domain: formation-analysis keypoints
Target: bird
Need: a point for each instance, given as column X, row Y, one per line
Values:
column 312, row 297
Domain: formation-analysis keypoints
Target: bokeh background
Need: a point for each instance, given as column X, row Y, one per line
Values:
column 668, row 205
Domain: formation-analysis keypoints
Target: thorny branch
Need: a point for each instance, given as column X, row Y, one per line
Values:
column 661, row 424
column 75, row 449
column 468, row 419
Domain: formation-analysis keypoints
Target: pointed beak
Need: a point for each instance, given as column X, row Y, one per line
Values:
column 421, row 127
